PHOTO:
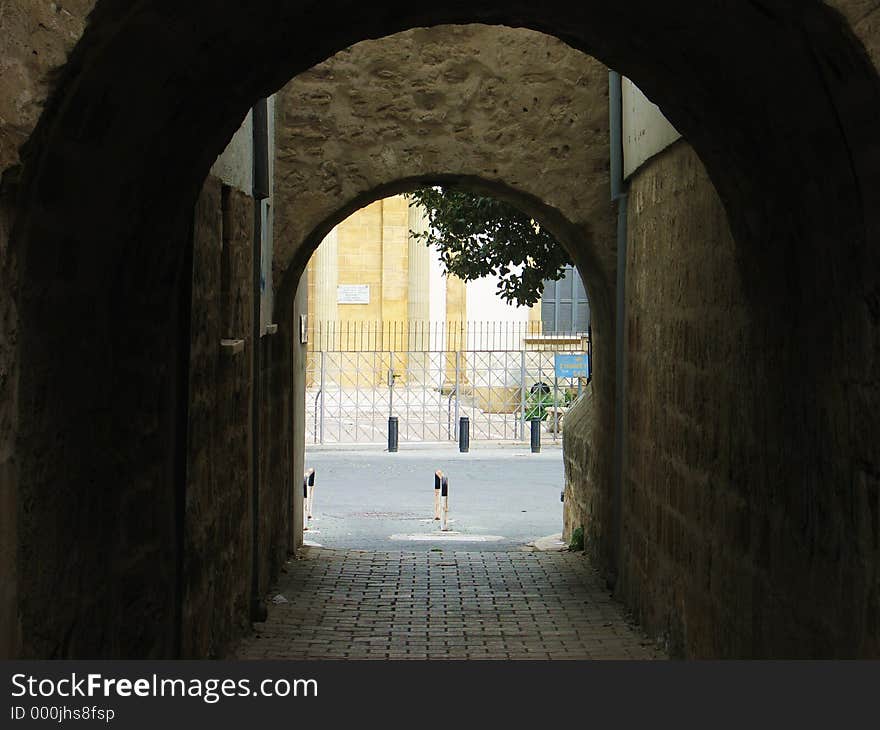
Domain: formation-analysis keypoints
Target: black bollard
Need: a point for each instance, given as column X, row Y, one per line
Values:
column 444, row 507
column 464, row 434
column 536, row 435
column 392, row 433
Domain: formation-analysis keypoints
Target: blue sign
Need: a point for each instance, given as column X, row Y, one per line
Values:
column 572, row 366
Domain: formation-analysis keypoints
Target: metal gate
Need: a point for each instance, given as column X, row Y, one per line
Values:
column 351, row 394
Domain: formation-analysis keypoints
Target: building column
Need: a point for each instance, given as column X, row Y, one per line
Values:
column 326, row 284
column 456, row 329
column 418, row 312
column 535, row 326
column 395, row 266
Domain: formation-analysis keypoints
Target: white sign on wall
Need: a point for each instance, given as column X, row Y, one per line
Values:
column 353, row 294
column 646, row 132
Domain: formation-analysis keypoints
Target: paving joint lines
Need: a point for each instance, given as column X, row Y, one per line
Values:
column 353, row 604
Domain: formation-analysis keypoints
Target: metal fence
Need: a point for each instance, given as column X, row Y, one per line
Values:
column 352, row 393
column 401, row 336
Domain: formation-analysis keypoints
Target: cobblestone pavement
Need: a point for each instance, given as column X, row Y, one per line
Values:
column 351, row 604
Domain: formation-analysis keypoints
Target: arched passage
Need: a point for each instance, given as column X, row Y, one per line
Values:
column 334, row 155
column 784, row 129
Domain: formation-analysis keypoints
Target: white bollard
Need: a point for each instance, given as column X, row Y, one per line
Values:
column 305, row 514
column 308, row 496
column 310, row 475
column 438, row 478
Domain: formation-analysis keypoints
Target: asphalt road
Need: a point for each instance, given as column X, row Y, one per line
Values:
column 500, row 497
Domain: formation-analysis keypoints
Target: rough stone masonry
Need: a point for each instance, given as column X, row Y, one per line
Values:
column 749, row 522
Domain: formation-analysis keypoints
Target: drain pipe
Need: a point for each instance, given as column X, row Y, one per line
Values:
column 260, row 120
column 619, row 194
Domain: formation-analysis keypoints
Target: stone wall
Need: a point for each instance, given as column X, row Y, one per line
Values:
column 142, row 534
column 278, row 479
column 217, row 566
column 730, row 549
column 495, row 108
column 218, row 528
column 35, row 38
column 586, row 501
column 687, row 375
column 9, row 633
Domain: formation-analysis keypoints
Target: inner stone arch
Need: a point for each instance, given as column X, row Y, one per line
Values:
column 436, row 105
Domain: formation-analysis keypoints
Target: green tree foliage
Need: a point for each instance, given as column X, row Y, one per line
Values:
column 478, row 236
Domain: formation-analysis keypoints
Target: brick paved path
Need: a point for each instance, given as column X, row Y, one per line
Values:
column 452, row 605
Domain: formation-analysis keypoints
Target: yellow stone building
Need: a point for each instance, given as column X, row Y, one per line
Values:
column 380, row 305
column 371, row 286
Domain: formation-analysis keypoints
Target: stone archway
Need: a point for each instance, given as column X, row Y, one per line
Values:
column 436, row 104
column 779, row 102
column 339, row 147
